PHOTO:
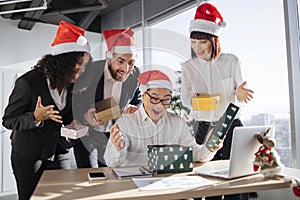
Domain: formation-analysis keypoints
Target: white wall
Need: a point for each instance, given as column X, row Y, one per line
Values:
column 7, row 79
column 18, row 45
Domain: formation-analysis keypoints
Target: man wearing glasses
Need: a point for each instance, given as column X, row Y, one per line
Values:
column 151, row 124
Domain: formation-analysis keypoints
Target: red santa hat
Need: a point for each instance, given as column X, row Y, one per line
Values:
column 69, row 38
column 207, row 19
column 119, row 41
column 154, row 79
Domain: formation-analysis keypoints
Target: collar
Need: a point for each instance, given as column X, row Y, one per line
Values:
column 55, row 91
column 107, row 75
column 201, row 60
column 145, row 116
column 143, row 113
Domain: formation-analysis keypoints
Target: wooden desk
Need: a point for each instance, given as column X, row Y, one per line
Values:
column 74, row 184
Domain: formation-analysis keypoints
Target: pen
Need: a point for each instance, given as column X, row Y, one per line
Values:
column 142, row 171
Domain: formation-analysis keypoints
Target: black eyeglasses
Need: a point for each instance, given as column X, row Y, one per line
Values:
column 155, row 100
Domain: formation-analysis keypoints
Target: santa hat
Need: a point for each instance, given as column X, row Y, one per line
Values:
column 207, row 19
column 120, row 41
column 154, row 79
column 69, row 38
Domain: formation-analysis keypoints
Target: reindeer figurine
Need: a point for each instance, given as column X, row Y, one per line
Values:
column 266, row 158
column 268, row 161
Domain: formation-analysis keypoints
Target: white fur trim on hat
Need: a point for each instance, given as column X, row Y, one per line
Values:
column 205, row 26
column 69, row 47
column 156, row 84
column 124, row 49
column 121, row 50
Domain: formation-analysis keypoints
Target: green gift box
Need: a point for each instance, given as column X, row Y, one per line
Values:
column 170, row 158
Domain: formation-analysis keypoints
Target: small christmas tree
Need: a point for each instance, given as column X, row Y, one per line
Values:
column 177, row 107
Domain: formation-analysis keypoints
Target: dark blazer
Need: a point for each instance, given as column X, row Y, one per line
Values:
column 90, row 89
column 44, row 141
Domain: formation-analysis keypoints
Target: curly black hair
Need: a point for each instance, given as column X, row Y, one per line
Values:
column 59, row 69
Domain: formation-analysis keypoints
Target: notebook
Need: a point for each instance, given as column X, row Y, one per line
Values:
column 130, row 172
column 244, row 146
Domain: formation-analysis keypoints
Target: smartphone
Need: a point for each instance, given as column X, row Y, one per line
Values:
column 96, row 175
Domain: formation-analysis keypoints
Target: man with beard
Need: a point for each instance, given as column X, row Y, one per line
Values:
column 114, row 77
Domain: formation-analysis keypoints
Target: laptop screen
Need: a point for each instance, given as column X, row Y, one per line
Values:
column 244, row 146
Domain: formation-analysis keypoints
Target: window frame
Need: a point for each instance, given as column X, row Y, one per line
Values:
column 291, row 19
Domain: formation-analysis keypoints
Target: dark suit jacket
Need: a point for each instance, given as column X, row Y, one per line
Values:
column 41, row 142
column 90, row 89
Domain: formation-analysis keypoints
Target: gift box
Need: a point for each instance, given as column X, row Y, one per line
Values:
column 74, row 131
column 170, row 158
column 206, row 102
column 222, row 126
column 107, row 109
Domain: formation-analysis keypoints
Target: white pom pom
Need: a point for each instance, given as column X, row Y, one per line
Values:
column 108, row 54
column 81, row 40
column 223, row 24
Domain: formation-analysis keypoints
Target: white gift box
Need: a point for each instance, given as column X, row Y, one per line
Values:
column 74, row 131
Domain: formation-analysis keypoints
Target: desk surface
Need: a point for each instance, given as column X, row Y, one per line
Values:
column 74, row 184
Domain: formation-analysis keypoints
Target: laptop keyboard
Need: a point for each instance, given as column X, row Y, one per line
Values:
column 222, row 172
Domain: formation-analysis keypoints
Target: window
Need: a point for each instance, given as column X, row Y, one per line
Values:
column 258, row 39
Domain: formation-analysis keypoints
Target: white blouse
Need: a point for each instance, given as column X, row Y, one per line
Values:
column 59, row 99
column 221, row 76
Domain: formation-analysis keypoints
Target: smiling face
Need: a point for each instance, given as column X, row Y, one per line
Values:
column 80, row 66
column 202, row 48
column 156, row 102
column 121, row 65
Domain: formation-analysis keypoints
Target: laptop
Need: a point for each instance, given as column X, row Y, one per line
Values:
column 244, row 146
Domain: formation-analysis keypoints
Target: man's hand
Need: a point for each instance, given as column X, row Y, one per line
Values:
column 217, row 147
column 244, row 94
column 42, row 113
column 89, row 117
column 130, row 109
column 116, row 137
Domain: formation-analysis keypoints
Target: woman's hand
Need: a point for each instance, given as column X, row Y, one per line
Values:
column 244, row 94
column 42, row 113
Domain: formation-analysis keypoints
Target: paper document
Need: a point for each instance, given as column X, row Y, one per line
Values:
column 171, row 182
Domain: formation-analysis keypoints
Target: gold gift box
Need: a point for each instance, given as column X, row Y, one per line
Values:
column 206, row 102
column 107, row 109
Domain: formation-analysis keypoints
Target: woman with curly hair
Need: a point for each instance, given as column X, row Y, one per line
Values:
column 40, row 104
